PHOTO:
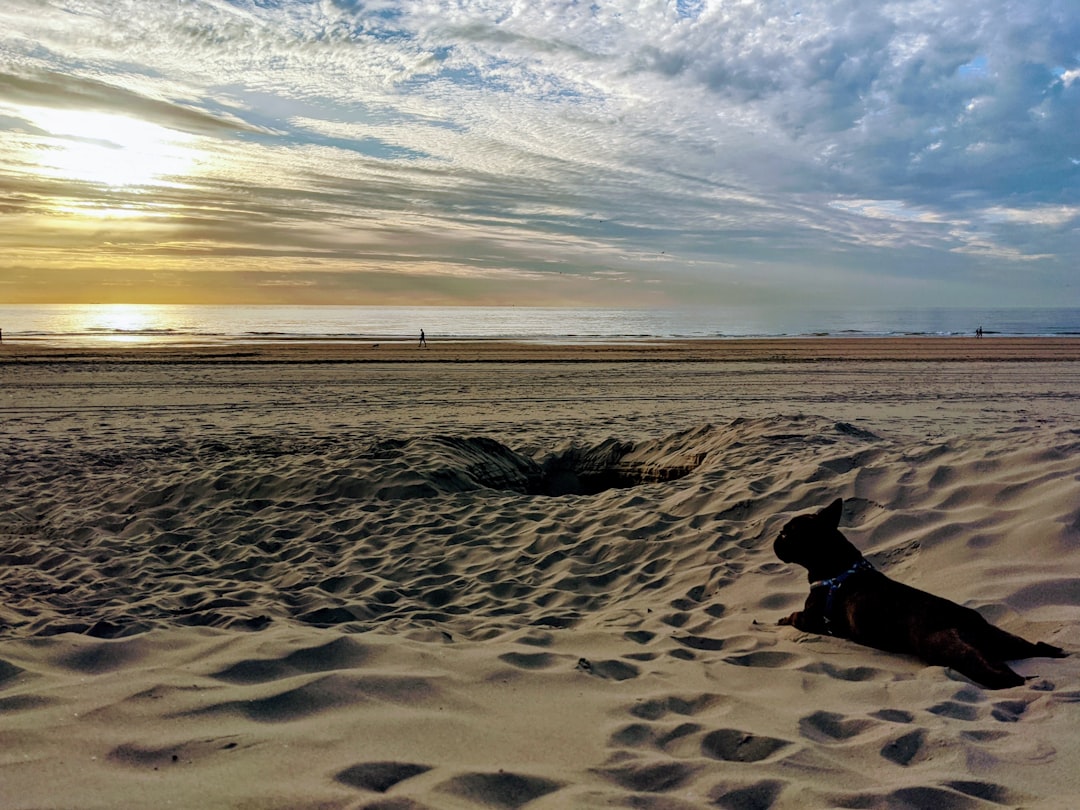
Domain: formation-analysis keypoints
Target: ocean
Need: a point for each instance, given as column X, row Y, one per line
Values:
column 70, row 324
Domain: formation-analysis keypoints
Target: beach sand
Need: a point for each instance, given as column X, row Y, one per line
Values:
column 493, row 575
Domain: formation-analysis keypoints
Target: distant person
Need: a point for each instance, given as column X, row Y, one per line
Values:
column 423, row 340
column 979, row 332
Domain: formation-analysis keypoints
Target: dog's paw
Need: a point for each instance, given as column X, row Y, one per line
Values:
column 1044, row 650
column 789, row 621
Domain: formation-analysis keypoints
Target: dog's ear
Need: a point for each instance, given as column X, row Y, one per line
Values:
column 831, row 514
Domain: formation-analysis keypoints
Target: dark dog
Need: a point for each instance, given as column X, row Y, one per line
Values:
column 849, row 599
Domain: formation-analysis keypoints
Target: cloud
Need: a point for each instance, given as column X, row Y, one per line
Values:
column 539, row 136
column 54, row 90
column 1050, row 216
column 895, row 210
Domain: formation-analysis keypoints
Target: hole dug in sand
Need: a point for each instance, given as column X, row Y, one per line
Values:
column 425, row 467
column 612, row 465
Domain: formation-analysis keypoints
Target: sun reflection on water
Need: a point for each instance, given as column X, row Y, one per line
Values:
column 123, row 323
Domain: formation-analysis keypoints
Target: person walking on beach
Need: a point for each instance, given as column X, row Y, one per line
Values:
column 423, row 340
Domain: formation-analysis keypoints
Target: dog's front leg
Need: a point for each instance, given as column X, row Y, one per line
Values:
column 796, row 620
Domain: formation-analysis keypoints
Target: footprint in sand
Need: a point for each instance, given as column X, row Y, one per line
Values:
column 986, row 791
column 955, row 710
column 958, row 795
column 379, row 777
column 766, row 659
column 1008, row 711
column 639, row 636
column 830, row 727
column 530, row 660
column 686, row 743
column 733, row 745
column 852, row 674
column 643, row 735
column 906, row 748
column 657, row 708
column 499, row 790
column 700, row 643
column 761, row 795
column 653, row 777
column 611, row 669
column 140, row 756
column 954, row 795
column 894, row 715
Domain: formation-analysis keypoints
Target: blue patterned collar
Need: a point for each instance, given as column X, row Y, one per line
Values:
column 833, row 584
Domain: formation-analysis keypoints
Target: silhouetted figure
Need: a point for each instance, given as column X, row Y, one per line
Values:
column 423, row 340
column 979, row 332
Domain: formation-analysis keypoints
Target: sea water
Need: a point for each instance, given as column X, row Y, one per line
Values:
column 72, row 324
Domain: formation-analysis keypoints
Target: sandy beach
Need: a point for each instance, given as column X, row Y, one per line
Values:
column 501, row 575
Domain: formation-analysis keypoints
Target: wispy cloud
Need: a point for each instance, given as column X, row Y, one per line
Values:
column 692, row 147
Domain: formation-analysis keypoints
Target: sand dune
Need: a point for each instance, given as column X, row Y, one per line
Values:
column 214, row 596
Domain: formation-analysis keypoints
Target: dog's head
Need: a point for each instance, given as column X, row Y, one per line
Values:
column 814, row 541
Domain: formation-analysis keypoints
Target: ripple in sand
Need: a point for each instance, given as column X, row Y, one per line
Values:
column 104, row 656
column 329, row 692
column 8, row 671
column 558, row 622
column 22, row 703
column 341, row 653
column 333, row 616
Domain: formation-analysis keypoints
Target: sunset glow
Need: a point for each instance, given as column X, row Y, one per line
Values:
column 110, row 150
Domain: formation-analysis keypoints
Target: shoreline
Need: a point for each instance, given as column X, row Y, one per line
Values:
column 780, row 350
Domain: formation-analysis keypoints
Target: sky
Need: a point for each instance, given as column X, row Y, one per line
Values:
column 540, row 152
